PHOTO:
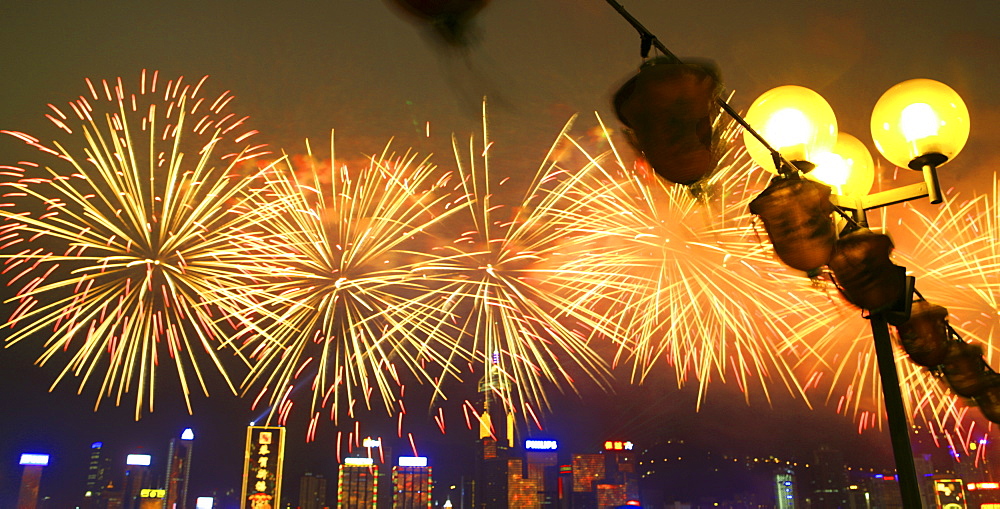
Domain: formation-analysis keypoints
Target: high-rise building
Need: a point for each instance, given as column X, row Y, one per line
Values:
column 312, row 491
column 179, row 470
column 828, row 479
column 541, row 459
column 412, row 483
column 620, row 470
column 522, row 492
column 31, row 479
column 98, row 471
column 357, row 484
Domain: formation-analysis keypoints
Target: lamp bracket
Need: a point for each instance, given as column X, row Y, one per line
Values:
column 883, row 198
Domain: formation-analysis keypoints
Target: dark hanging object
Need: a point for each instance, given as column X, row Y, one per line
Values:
column 864, row 274
column 669, row 109
column 989, row 399
column 925, row 335
column 450, row 19
column 965, row 369
column 796, row 214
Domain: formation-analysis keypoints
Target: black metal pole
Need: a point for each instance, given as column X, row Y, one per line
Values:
column 899, row 432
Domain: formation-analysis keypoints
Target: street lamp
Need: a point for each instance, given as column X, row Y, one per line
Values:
column 918, row 124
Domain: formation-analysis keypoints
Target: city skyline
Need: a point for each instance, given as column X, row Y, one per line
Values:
column 318, row 79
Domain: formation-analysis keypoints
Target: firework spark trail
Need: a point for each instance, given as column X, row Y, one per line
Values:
column 124, row 244
column 346, row 297
column 508, row 296
column 686, row 277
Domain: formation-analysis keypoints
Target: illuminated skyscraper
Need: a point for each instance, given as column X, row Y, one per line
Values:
column 496, row 438
column 136, row 479
column 357, row 484
column 588, row 470
column 312, row 491
column 98, row 473
column 412, row 483
column 179, row 470
column 31, row 479
column 785, row 493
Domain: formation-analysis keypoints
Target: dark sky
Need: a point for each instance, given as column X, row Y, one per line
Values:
column 301, row 68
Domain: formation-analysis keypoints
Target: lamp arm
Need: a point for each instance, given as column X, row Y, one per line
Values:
column 784, row 166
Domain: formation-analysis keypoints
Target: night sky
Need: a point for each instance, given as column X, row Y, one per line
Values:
column 301, row 68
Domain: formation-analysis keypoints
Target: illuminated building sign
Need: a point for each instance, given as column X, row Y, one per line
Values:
column 618, row 445
column 263, row 461
column 371, row 442
column 412, row 461
column 541, row 445
column 949, row 492
column 138, row 460
column 187, row 434
column 983, row 486
column 359, row 461
column 96, row 445
column 204, row 503
column 35, row 459
column 152, row 493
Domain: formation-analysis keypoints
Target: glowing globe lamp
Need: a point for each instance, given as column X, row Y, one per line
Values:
column 920, row 122
column 795, row 121
column 848, row 169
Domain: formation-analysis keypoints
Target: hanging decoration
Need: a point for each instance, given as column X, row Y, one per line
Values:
column 670, row 114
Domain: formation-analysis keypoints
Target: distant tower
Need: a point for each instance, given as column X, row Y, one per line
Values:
column 357, row 484
column 31, row 479
column 179, row 470
column 496, row 438
column 312, row 491
column 412, row 483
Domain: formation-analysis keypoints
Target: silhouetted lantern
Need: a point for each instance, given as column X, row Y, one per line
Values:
column 449, row 18
column 864, row 274
column 669, row 109
column 796, row 214
column 989, row 399
column 965, row 370
column 925, row 335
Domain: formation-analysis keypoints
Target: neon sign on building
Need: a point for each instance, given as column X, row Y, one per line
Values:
column 263, row 460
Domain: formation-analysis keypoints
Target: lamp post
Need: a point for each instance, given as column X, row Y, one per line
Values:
column 918, row 124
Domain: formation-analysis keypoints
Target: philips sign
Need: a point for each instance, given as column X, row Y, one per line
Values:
column 541, row 445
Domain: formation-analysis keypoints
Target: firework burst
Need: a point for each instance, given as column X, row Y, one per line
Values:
column 345, row 305
column 684, row 275
column 508, row 290
column 121, row 238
